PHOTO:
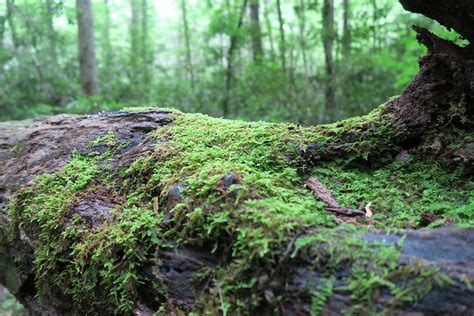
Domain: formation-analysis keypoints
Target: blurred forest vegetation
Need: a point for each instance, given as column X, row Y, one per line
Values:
column 302, row 61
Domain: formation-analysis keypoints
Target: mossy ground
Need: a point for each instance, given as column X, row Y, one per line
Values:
column 251, row 223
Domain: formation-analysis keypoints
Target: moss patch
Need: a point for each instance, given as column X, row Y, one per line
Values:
column 241, row 194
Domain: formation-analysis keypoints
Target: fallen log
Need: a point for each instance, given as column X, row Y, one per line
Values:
column 104, row 167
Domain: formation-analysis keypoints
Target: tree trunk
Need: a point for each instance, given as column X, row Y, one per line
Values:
column 434, row 109
column 328, row 40
column 346, row 32
column 375, row 25
column 269, row 27
column 282, row 43
column 11, row 23
column 2, row 36
column 145, row 50
column 107, row 51
column 257, row 49
column 134, row 41
column 302, row 29
column 11, row 10
column 51, row 32
column 230, row 62
column 189, row 60
column 86, row 44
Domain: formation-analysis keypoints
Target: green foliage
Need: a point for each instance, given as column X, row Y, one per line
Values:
column 321, row 295
column 372, row 275
column 40, row 74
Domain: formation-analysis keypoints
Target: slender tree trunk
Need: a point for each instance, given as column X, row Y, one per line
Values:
column 134, row 42
column 257, row 49
column 303, row 35
column 282, row 36
column 268, row 24
column 86, row 41
column 189, row 60
column 328, row 40
column 293, row 54
column 230, row 61
column 145, row 54
column 107, row 52
column 375, row 25
column 2, row 30
column 11, row 24
column 52, row 38
column 3, row 52
column 346, row 33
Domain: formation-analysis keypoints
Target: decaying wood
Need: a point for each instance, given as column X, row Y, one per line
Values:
column 45, row 146
column 453, row 14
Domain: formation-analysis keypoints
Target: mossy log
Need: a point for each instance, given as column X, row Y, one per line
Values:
column 150, row 210
column 96, row 190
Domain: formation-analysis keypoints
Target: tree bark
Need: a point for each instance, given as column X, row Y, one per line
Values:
column 432, row 110
column 455, row 14
column 86, row 44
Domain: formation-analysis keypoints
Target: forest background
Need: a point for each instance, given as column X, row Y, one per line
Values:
column 302, row 61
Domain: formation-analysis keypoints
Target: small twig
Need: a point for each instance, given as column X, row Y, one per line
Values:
column 322, row 192
column 285, row 256
column 325, row 195
column 346, row 211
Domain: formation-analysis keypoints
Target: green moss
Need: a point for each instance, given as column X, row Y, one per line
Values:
column 251, row 223
column 109, row 260
column 41, row 211
column 74, row 259
column 110, row 140
column 401, row 191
